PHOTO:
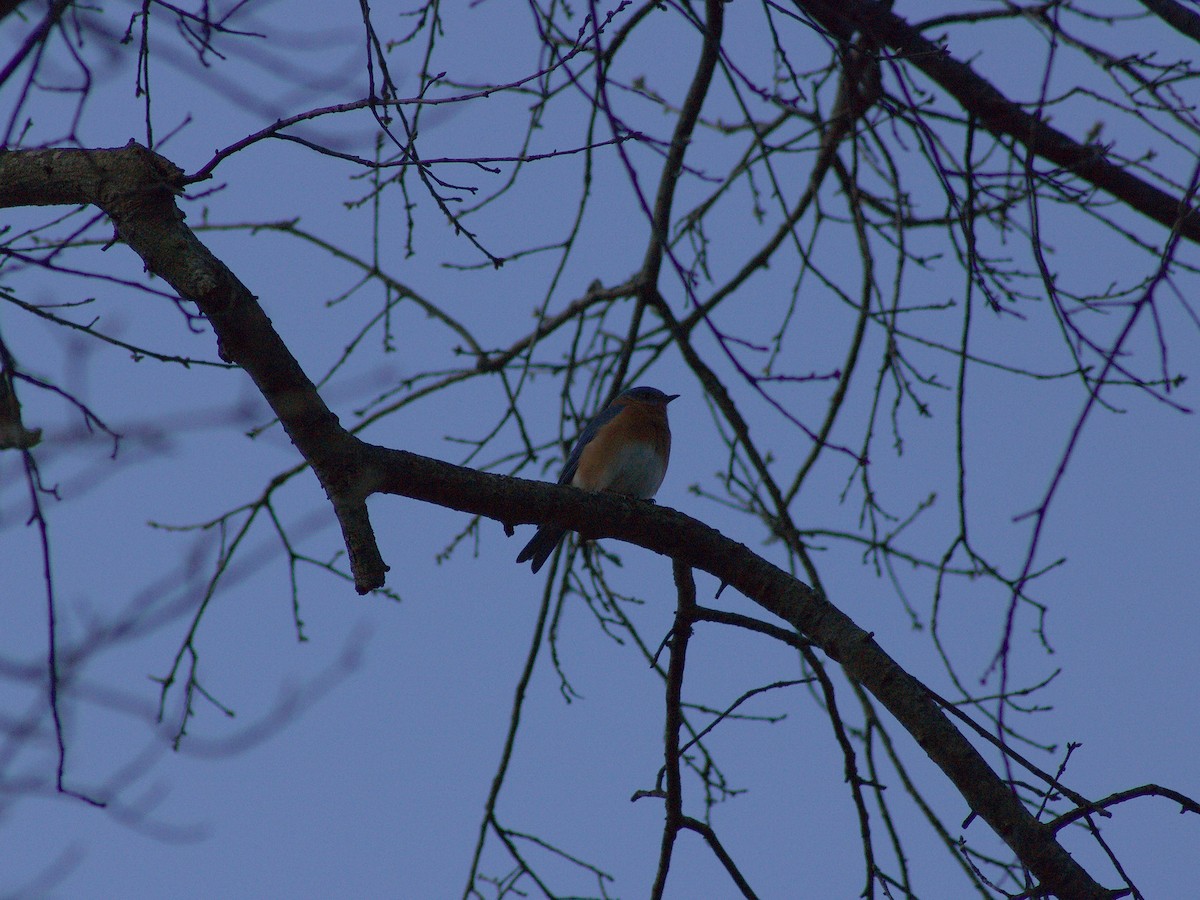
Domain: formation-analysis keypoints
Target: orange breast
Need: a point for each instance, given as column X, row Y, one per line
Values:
column 628, row 455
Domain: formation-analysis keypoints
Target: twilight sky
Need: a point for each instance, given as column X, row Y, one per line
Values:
column 356, row 762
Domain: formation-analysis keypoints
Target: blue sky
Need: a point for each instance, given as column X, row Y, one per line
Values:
column 359, row 760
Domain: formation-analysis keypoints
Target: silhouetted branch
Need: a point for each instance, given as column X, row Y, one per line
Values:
column 1001, row 116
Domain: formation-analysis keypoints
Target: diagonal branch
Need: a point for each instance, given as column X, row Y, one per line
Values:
column 1178, row 16
column 35, row 37
column 136, row 189
column 999, row 115
column 689, row 114
column 692, row 543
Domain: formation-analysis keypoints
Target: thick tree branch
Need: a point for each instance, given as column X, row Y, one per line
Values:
column 1178, row 16
column 999, row 115
column 136, row 189
column 692, row 543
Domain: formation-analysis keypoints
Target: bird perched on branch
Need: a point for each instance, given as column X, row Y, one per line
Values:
column 624, row 449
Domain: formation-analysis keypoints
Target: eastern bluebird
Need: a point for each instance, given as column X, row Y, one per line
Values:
column 624, row 449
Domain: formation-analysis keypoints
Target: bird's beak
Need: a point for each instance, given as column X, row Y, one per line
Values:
column 670, row 397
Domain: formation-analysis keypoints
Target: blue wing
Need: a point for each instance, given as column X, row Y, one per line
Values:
column 546, row 538
column 598, row 421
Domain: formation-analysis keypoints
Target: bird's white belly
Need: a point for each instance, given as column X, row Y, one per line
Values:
column 636, row 470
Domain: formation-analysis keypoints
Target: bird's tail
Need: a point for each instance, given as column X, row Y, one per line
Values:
column 539, row 549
